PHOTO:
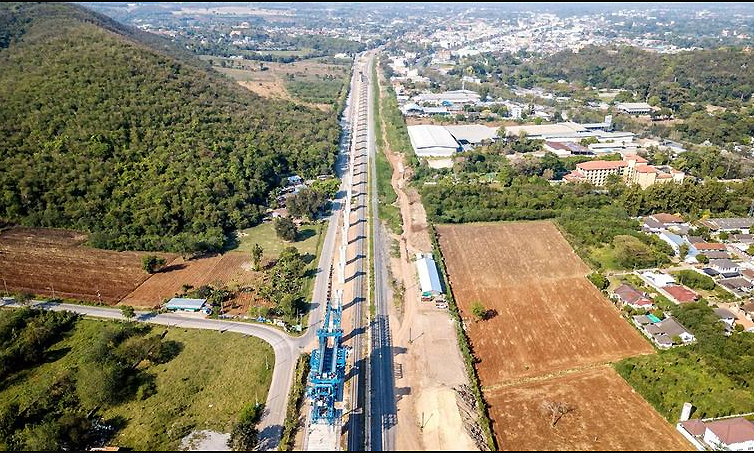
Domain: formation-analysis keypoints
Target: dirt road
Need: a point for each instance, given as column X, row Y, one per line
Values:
column 427, row 359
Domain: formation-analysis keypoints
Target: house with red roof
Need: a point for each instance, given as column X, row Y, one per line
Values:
column 734, row 434
column 680, row 294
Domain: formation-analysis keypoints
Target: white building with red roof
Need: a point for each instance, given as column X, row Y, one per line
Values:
column 734, row 434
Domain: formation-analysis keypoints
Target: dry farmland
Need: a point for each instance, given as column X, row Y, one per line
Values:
column 547, row 337
column 546, row 317
column 37, row 259
column 606, row 415
column 228, row 269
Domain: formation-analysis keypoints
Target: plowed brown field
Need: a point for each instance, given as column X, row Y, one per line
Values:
column 225, row 269
column 549, row 317
column 607, row 415
column 39, row 259
column 547, row 338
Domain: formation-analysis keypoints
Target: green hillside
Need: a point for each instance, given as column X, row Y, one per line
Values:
column 142, row 148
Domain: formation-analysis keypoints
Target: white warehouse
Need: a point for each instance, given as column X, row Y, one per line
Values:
column 432, row 141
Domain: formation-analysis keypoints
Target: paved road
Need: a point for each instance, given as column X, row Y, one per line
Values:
column 287, row 348
column 382, row 407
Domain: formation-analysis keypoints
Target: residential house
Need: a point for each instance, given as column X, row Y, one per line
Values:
column 705, row 247
column 680, row 294
column 717, row 255
column 634, row 108
column 727, row 318
column 665, row 333
column 737, row 284
column 676, row 242
column 734, row 434
column 658, row 279
column 628, row 295
column 724, row 266
column 741, row 224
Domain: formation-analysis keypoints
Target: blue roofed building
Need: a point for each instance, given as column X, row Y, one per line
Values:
column 676, row 241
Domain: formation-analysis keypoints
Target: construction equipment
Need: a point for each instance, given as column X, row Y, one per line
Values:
column 328, row 365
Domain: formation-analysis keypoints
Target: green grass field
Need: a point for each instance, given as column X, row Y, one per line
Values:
column 205, row 387
column 264, row 235
column 670, row 378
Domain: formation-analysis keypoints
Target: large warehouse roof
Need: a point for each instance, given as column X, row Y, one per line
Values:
column 472, row 133
column 432, row 141
column 428, row 278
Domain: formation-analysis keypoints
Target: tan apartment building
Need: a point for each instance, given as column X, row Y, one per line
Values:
column 633, row 169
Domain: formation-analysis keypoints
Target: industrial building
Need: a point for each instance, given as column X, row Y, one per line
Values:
column 432, row 141
column 570, row 131
column 429, row 280
column 472, row 135
column 448, row 98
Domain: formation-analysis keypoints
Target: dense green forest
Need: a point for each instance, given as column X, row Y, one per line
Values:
column 143, row 149
column 716, row 76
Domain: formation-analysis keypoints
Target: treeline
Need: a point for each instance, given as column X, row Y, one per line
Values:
column 716, row 76
column 689, row 197
column 144, row 151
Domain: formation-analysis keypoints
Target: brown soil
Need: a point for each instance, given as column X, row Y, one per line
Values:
column 220, row 270
column 607, row 415
column 545, row 316
column 39, row 259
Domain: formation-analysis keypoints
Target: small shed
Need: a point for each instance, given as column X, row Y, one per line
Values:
column 185, row 304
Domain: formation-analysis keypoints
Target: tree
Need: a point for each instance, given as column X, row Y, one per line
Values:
column 151, row 263
column 128, row 312
column 244, row 436
column 307, row 203
column 256, row 255
column 702, row 258
column 750, row 250
column 556, row 410
column 478, row 310
column 598, row 280
column 683, row 250
column 286, row 229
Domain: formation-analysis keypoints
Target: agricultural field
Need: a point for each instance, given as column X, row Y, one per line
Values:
column 35, row 260
column 548, row 336
column 232, row 269
column 544, row 315
column 605, row 414
column 313, row 81
column 205, row 386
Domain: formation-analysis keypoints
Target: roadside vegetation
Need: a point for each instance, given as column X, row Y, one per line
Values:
column 388, row 211
column 295, row 400
column 122, row 383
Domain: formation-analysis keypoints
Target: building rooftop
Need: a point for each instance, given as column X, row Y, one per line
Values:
column 736, row 283
column 723, row 264
column 628, row 294
column 472, row 133
column 429, row 140
column 633, row 105
column 601, row 165
column 667, row 218
column 671, row 327
column 182, row 303
column 681, row 293
column 732, row 430
column 724, row 313
column 429, row 280
column 709, row 246
column 729, row 223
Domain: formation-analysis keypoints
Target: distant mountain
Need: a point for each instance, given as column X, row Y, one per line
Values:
column 111, row 130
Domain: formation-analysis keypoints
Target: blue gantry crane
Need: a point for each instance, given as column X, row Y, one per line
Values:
column 328, row 365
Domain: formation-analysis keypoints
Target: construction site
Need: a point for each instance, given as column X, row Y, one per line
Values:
column 334, row 392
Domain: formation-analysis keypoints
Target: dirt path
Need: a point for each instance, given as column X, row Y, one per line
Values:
column 428, row 362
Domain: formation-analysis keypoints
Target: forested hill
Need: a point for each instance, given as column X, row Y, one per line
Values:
column 101, row 133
